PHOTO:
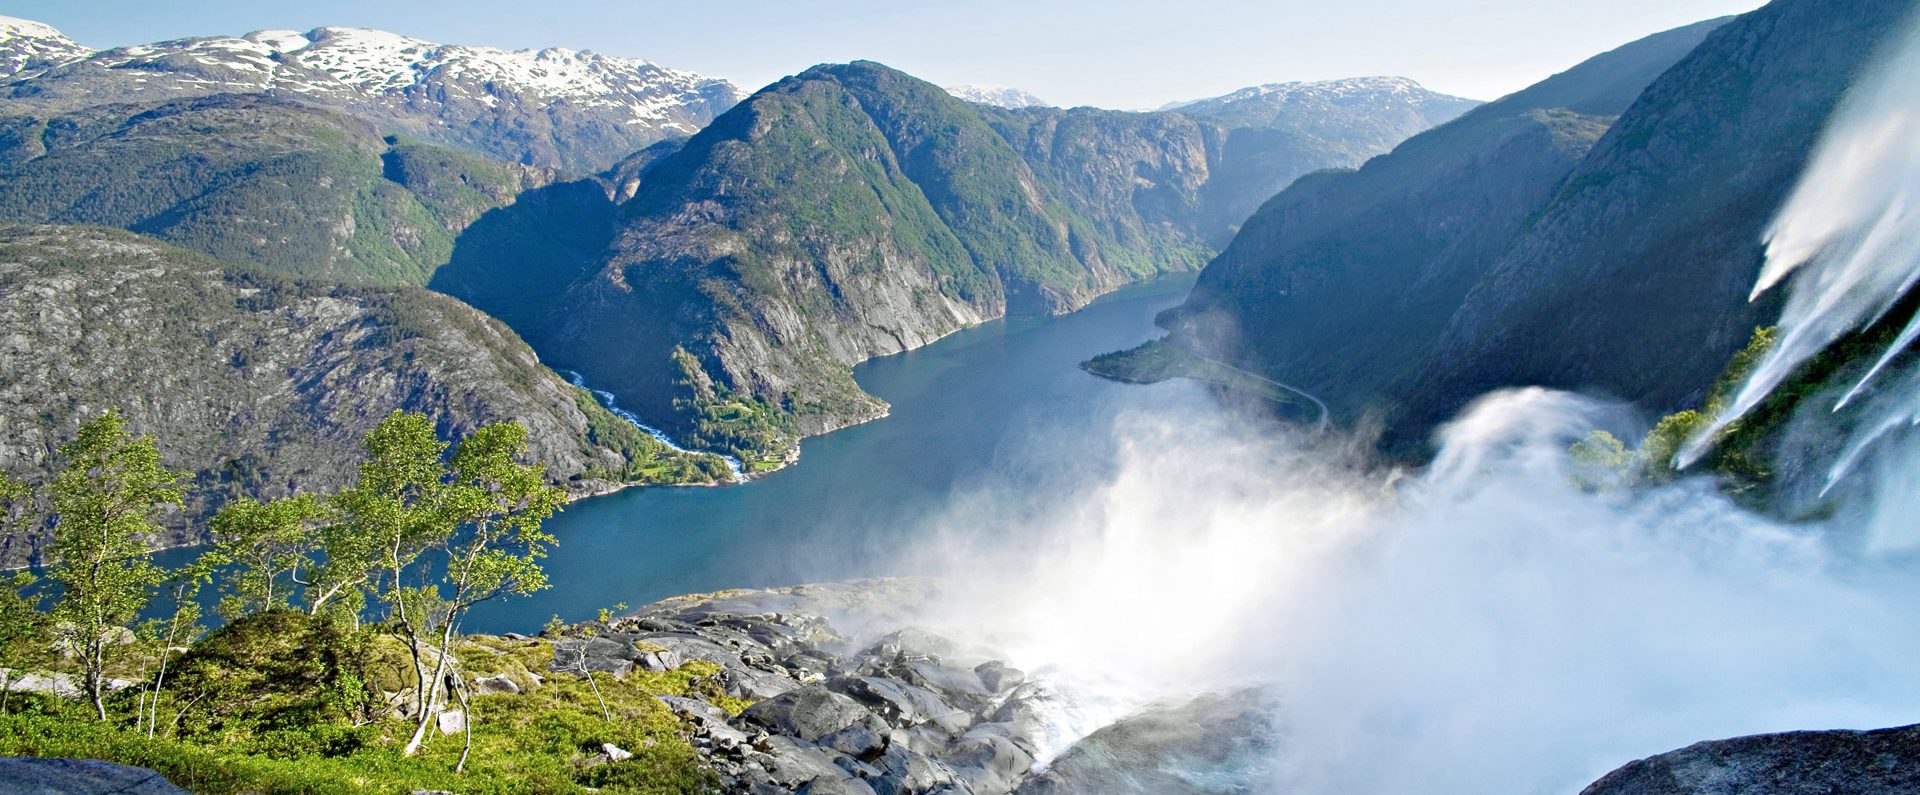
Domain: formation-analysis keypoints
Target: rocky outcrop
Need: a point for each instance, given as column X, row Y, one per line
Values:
column 1212, row 745
column 844, row 701
column 260, row 386
column 1882, row 762
column 26, row 775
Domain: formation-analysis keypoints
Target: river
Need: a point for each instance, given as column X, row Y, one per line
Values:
column 984, row 407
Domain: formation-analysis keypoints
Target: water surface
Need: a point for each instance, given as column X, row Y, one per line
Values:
column 984, row 407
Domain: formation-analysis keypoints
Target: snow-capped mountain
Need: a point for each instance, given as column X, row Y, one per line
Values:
column 1002, row 96
column 27, row 47
column 550, row 107
column 1370, row 93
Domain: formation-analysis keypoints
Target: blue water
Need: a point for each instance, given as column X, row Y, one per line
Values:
column 981, row 408
column 1002, row 407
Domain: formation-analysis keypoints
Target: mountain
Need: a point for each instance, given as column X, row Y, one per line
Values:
column 1273, row 127
column 1539, row 240
column 263, row 386
column 28, row 48
column 844, row 213
column 1340, row 282
column 1666, row 214
column 999, row 96
column 255, row 181
column 575, row 110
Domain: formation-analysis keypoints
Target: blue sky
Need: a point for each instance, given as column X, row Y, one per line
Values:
column 1111, row 53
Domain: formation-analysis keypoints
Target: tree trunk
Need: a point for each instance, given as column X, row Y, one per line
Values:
column 96, row 675
column 466, row 709
column 427, row 708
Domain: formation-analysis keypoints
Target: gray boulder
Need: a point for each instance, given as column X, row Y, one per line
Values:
column 810, row 713
column 1882, row 762
column 26, row 775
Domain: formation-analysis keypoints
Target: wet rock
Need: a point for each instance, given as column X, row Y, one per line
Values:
column 900, row 703
column 1211, row 745
column 754, row 685
column 998, row 677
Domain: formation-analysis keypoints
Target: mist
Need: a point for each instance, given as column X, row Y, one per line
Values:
column 1484, row 624
column 1480, row 626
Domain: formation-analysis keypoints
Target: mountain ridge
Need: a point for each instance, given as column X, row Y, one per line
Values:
column 553, row 107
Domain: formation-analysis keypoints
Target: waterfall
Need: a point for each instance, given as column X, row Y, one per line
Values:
column 1849, row 235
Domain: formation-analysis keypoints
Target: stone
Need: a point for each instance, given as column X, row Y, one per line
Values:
column 830, row 785
column 1879, row 762
column 998, row 677
column 498, row 684
column 452, row 721
column 615, row 753
column 808, row 713
column 37, row 776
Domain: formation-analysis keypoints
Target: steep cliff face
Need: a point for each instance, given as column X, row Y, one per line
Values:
column 256, row 182
column 1341, row 282
column 1634, row 279
column 848, row 212
column 262, row 386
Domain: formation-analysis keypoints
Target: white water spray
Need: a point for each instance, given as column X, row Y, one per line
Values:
column 1483, row 627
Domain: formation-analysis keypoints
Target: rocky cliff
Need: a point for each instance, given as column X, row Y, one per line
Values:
column 1634, row 279
column 1539, row 239
column 263, row 386
column 1340, row 283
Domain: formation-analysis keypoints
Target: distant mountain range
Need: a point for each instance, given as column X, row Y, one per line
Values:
column 577, row 110
column 1002, row 96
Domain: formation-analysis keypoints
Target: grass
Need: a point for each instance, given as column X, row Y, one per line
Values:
column 545, row 739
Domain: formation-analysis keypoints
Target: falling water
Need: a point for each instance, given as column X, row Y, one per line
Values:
column 1850, row 236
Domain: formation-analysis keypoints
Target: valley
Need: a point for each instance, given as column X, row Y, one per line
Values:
column 384, row 414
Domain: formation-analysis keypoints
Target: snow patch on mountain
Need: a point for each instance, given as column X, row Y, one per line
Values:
column 1003, row 96
column 28, row 47
column 1342, row 91
column 385, row 75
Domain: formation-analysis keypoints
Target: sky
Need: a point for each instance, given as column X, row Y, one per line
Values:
column 1108, row 53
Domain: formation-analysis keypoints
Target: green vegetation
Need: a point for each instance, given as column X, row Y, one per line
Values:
column 342, row 667
column 752, row 431
column 1602, row 460
column 256, row 182
column 648, row 461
